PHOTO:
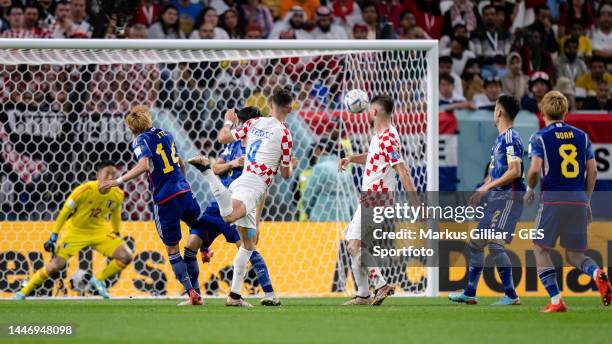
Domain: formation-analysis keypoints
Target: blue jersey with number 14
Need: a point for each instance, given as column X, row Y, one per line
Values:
column 564, row 150
column 166, row 180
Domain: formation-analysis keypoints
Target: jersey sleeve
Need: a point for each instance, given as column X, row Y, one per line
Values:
column 226, row 155
column 535, row 146
column 589, row 149
column 240, row 133
column 513, row 148
column 390, row 149
column 115, row 216
column 286, row 146
column 69, row 206
column 141, row 148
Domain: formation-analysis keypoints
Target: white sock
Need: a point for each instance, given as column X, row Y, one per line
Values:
column 360, row 275
column 555, row 299
column 221, row 193
column 376, row 277
column 240, row 269
column 270, row 295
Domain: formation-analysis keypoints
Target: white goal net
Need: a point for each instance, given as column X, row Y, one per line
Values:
column 61, row 112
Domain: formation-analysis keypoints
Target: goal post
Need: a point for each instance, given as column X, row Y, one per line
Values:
column 62, row 111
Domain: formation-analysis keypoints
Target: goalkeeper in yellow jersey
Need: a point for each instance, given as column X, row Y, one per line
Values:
column 83, row 220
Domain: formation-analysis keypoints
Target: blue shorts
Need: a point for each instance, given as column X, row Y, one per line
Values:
column 168, row 217
column 210, row 225
column 501, row 216
column 566, row 221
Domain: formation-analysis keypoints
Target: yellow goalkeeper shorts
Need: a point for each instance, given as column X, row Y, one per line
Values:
column 104, row 243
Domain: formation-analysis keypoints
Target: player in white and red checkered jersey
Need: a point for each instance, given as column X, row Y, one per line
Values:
column 268, row 151
column 383, row 163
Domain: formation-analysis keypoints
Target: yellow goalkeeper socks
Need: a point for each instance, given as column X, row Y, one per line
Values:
column 37, row 279
column 112, row 268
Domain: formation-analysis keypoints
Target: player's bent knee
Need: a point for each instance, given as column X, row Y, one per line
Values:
column 55, row 265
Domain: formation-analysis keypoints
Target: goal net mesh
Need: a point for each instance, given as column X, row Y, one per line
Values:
column 61, row 112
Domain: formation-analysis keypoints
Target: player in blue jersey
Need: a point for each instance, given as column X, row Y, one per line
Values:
column 229, row 167
column 562, row 155
column 173, row 201
column 502, row 192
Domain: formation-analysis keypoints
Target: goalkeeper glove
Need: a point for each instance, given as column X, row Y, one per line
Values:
column 49, row 245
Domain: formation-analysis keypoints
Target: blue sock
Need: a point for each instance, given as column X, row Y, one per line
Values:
column 180, row 269
column 588, row 266
column 193, row 270
column 504, row 268
column 548, row 276
column 474, row 269
column 261, row 269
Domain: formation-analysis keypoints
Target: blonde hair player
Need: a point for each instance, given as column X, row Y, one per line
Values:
column 562, row 155
column 83, row 220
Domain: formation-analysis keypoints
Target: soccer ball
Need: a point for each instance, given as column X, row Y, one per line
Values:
column 79, row 281
column 356, row 100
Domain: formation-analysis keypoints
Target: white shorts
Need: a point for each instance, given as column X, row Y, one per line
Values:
column 353, row 230
column 250, row 190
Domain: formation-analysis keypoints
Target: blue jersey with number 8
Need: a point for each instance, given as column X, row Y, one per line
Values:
column 564, row 150
column 166, row 180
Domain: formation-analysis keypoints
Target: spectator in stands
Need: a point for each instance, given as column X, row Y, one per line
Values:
column 209, row 16
column 598, row 73
column 47, row 17
column 230, row 22
column 602, row 35
column 515, row 82
column 16, row 23
column 575, row 11
column 188, row 12
column 459, row 30
column 539, row 85
column 535, row 57
column 487, row 99
column 324, row 26
column 78, row 14
column 428, row 17
column 369, row 14
column 407, row 23
column 543, row 25
column 147, row 13
column 64, row 26
column 31, row 17
column 445, row 66
column 205, row 31
column 310, row 7
column 602, row 101
column 259, row 16
column 391, row 9
column 459, row 53
column 569, row 65
column 346, row 13
column 472, row 82
column 585, row 49
column 448, row 100
column 262, row 93
column 360, row 31
column 295, row 21
column 463, row 12
column 167, row 25
column 490, row 40
column 137, row 31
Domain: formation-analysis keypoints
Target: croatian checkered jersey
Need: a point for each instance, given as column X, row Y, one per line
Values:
column 268, row 146
column 383, row 154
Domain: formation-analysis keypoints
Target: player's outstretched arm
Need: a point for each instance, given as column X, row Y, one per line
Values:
column 220, row 167
column 532, row 177
column 141, row 167
column 591, row 176
column 183, row 167
column 226, row 135
column 404, row 177
column 115, row 217
column 356, row 159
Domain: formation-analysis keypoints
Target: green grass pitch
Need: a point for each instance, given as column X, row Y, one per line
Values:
column 316, row 320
